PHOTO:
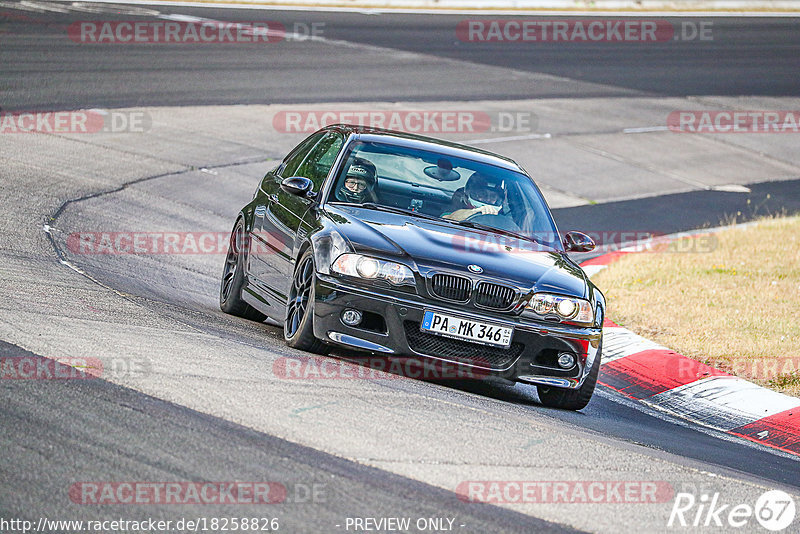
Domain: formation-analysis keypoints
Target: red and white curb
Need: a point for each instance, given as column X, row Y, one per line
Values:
column 659, row 377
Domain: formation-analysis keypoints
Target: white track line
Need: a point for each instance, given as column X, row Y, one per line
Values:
column 510, row 138
column 370, row 9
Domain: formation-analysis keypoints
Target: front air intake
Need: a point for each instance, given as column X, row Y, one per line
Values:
column 494, row 296
column 451, row 287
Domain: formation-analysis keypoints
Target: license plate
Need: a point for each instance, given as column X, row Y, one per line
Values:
column 467, row 329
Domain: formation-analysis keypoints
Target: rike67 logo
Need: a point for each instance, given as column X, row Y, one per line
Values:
column 774, row 510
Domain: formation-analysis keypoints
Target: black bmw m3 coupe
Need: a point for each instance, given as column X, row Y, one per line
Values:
column 410, row 247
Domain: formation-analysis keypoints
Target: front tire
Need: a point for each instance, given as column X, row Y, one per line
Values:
column 298, row 327
column 230, row 289
column 572, row 399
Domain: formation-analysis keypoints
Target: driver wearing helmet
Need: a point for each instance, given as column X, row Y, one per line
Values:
column 359, row 183
column 481, row 195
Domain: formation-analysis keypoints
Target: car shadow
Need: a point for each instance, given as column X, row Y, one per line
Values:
column 488, row 387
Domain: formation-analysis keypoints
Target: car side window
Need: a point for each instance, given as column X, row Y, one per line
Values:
column 296, row 157
column 320, row 159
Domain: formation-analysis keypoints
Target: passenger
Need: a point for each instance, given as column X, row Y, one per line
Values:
column 360, row 183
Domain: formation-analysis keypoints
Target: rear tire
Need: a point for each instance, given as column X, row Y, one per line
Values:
column 298, row 327
column 230, row 288
column 572, row 399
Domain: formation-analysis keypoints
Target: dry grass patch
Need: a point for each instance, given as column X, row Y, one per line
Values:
column 735, row 307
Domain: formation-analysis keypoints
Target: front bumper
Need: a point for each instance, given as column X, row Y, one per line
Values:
column 392, row 330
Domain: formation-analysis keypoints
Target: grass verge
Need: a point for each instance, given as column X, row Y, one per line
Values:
column 735, row 307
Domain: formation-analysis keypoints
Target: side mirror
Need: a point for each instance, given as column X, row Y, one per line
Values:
column 299, row 186
column 578, row 242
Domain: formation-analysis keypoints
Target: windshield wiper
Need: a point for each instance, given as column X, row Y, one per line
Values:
column 394, row 209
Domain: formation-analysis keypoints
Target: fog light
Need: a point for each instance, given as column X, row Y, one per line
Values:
column 566, row 360
column 351, row 317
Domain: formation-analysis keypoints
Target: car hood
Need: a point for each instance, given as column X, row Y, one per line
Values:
column 439, row 245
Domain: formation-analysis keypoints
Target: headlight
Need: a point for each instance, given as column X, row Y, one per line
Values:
column 367, row 267
column 373, row 269
column 565, row 308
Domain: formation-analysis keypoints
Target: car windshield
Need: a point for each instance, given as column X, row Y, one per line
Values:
column 453, row 189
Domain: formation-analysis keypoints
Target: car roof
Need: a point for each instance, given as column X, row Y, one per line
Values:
column 421, row 142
